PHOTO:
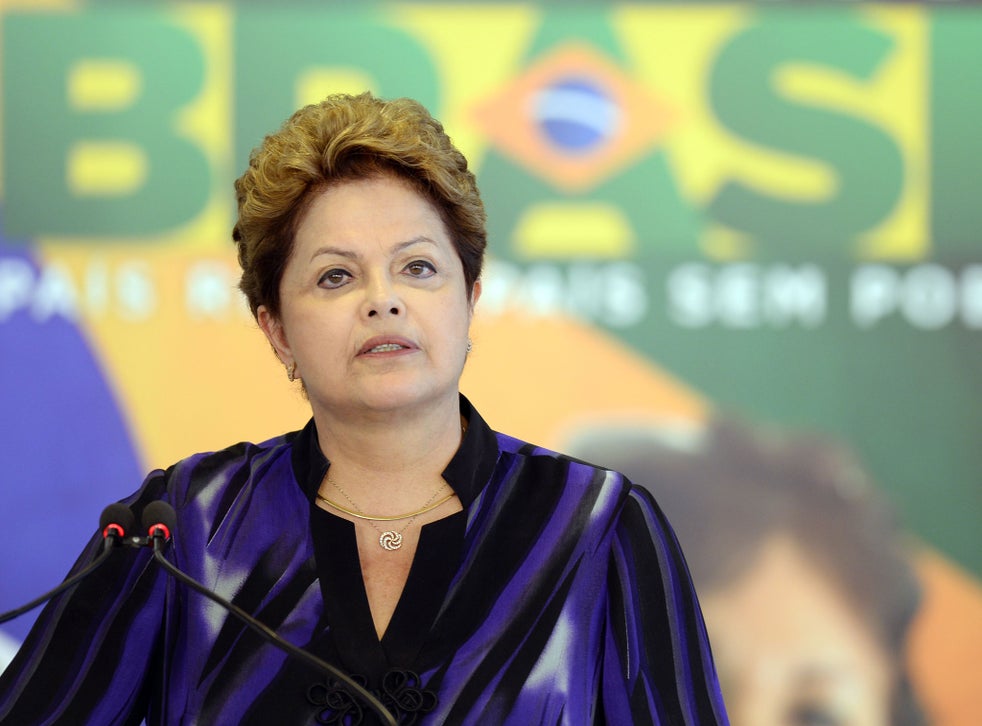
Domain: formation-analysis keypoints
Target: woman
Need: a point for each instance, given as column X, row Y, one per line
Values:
column 463, row 575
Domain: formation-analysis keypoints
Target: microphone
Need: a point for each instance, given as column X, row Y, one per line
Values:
column 114, row 522
column 159, row 520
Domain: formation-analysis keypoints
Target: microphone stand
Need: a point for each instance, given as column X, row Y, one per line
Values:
column 117, row 519
column 158, row 539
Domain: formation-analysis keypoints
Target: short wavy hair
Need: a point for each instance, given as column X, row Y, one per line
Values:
column 347, row 138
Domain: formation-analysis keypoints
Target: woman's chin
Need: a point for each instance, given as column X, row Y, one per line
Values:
column 390, row 397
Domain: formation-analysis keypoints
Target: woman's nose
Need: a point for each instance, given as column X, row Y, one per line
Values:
column 382, row 298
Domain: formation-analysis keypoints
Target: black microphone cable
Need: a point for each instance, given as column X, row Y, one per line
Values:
column 159, row 519
column 116, row 520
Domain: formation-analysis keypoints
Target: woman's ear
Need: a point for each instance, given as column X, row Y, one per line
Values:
column 272, row 327
column 475, row 294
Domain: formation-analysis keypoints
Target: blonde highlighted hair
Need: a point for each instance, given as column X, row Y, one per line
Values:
column 346, row 138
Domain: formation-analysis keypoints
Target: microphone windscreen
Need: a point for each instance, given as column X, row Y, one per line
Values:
column 118, row 514
column 159, row 512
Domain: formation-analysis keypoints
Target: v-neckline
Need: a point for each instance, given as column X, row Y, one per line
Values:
column 410, row 640
column 346, row 606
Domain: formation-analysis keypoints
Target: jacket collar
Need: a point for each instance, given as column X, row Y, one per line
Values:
column 467, row 472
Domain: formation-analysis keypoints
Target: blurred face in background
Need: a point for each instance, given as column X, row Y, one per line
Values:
column 790, row 649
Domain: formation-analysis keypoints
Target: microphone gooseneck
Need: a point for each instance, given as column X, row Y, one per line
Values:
column 159, row 520
column 114, row 522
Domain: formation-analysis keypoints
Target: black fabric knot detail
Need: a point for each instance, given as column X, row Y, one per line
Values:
column 337, row 705
column 401, row 693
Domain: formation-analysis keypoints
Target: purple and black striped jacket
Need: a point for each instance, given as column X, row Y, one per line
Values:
column 559, row 595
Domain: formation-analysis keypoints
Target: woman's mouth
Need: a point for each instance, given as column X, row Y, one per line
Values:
column 385, row 348
column 380, row 345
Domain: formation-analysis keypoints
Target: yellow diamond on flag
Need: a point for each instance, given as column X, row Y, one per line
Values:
column 574, row 118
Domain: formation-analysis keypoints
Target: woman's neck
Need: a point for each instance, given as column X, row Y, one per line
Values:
column 391, row 458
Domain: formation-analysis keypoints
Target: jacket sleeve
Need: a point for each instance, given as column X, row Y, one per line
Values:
column 89, row 657
column 658, row 668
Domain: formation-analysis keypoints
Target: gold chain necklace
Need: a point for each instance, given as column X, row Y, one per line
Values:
column 388, row 539
column 369, row 517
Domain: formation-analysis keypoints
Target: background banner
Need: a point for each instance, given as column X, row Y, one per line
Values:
column 763, row 217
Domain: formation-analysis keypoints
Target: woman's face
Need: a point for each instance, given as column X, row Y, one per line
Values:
column 790, row 650
column 374, row 310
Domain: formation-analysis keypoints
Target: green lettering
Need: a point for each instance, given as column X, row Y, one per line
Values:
column 956, row 119
column 277, row 47
column 90, row 141
column 867, row 165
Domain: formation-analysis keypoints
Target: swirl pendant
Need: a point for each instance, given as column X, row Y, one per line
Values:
column 390, row 540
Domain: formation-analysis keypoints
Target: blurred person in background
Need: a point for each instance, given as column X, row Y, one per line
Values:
column 804, row 578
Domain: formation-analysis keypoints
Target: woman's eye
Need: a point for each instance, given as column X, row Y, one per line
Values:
column 420, row 268
column 334, row 278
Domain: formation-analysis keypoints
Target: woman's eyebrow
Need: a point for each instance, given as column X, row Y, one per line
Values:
column 339, row 251
column 421, row 239
column 352, row 255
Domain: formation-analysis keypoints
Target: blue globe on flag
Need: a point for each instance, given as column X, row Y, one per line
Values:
column 576, row 115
